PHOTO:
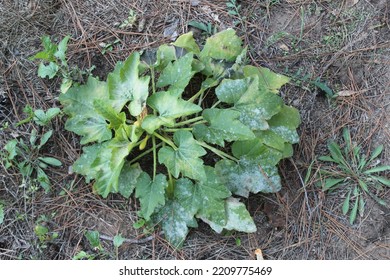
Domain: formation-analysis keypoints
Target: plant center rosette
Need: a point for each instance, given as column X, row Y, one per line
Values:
column 206, row 148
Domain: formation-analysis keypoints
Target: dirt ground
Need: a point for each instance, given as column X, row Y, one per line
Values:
column 345, row 44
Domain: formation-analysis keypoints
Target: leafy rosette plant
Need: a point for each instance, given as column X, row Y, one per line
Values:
column 212, row 129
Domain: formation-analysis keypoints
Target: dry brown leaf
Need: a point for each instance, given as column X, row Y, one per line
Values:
column 346, row 93
column 259, row 255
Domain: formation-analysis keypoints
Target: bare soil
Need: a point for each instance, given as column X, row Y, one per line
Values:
column 344, row 44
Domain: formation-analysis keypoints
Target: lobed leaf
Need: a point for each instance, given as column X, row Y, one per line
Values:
column 187, row 42
column 185, row 159
column 178, row 74
column 237, row 218
column 248, row 176
column 223, row 126
column 83, row 119
column 125, row 85
column 270, row 80
column 151, row 193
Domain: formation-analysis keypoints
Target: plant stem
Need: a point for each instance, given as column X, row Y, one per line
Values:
column 165, row 140
column 216, row 104
column 196, row 95
column 145, row 153
column 153, row 80
column 154, row 156
column 217, row 152
column 188, row 121
column 177, row 129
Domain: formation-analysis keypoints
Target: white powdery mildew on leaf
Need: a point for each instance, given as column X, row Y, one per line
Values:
column 237, row 218
column 288, row 134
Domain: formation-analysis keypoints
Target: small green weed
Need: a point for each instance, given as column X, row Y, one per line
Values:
column 25, row 157
column 208, row 29
column 234, row 9
column 356, row 173
column 54, row 63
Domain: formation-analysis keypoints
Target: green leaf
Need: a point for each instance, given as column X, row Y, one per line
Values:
column 108, row 166
column 50, row 161
column 347, row 138
column 84, row 163
column 353, row 214
column 170, row 106
column 165, row 55
column 383, row 180
column 118, row 240
column 10, row 147
column 178, row 74
column 223, row 126
column 151, row 123
column 345, row 207
column 336, row 153
column 1, row 214
column 65, row 85
column 267, row 78
column 61, row 51
column 199, row 25
column 116, row 120
column 248, row 176
column 188, row 196
column 139, row 224
column 128, row 178
column 230, row 91
column 256, row 151
column 125, row 85
column 327, row 158
column 185, row 159
column 93, row 238
column 175, row 220
column 256, row 104
column 187, row 42
column 285, row 123
column 378, row 150
column 42, row 118
column 238, row 218
column 49, row 70
column 83, row 119
column 48, row 52
column 43, row 180
column 212, row 193
column 224, row 45
column 151, row 193
column 377, row 169
column 330, row 182
column 363, row 185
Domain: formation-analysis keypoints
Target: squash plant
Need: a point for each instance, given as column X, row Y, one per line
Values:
column 205, row 147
